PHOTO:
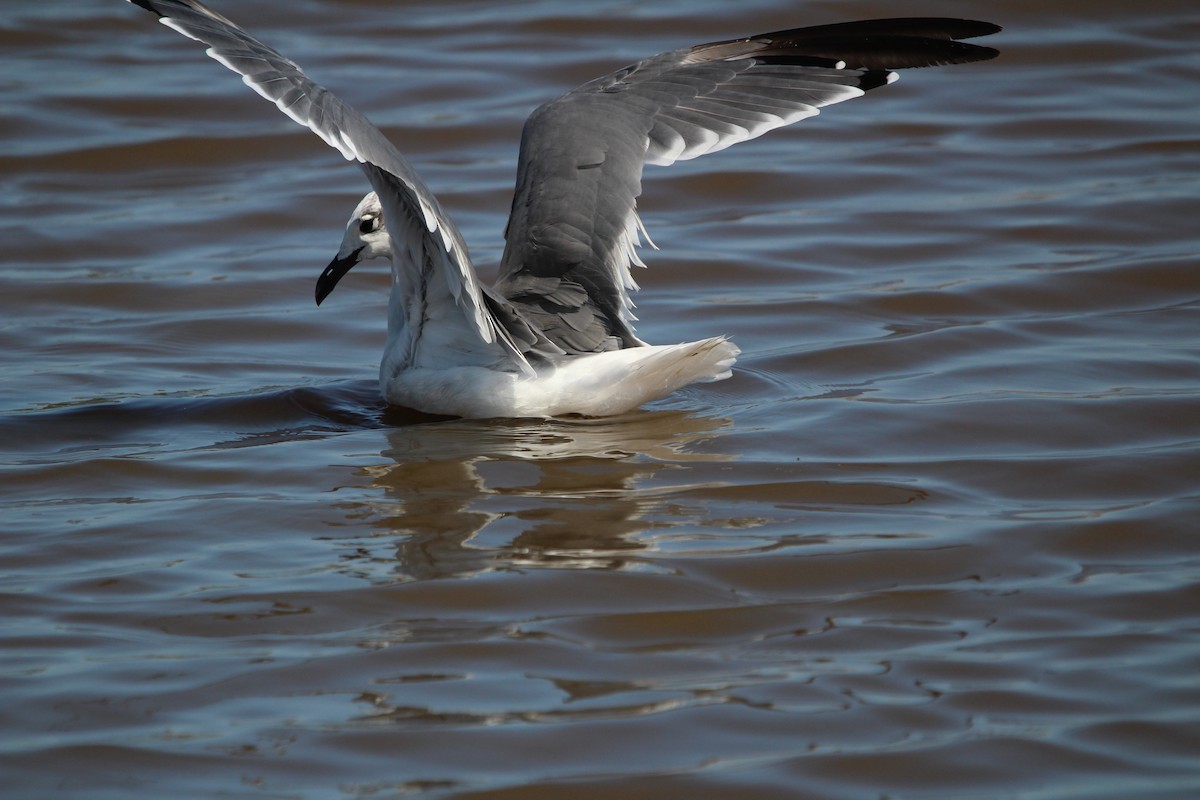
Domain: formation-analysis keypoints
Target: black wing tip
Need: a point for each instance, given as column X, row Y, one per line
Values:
column 149, row 6
column 917, row 27
column 167, row 8
column 882, row 44
column 925, row 27
column 871, row 44
column 978, row 28
column 981, row 53
column 874, row 78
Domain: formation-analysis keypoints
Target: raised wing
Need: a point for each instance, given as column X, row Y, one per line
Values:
column 573, row 229
column 408, row 205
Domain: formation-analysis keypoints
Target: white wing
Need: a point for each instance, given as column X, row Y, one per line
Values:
column 407, row 202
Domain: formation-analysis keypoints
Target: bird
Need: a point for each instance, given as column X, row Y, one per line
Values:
column 554, row 334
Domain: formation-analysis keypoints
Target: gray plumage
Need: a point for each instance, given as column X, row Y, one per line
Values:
column 564, row 283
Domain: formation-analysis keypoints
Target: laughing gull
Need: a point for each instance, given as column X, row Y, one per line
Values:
column 554, row 335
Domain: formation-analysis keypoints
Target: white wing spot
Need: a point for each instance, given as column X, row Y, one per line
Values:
column 344, row 144
column 175, row 26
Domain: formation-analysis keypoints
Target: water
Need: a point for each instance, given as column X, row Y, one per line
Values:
column 935, row 539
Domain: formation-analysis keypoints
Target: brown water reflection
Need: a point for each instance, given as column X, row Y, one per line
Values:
column 559, row 493
column 934, row 539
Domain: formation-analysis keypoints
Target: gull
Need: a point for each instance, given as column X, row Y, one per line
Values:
column 554, row 335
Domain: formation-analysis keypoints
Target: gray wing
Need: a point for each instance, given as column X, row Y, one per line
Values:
column 573, row 228
column 408, row 205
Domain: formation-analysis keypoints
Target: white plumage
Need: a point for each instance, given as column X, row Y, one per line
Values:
column 555, row 334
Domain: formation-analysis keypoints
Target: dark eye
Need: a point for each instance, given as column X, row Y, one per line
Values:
column 368, row 225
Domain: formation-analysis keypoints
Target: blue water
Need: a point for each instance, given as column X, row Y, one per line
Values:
column 934, row 539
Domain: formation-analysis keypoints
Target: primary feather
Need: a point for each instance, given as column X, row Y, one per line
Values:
column 555, row 334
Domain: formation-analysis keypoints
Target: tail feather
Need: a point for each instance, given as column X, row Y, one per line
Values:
column 620, row 380
column 693, row 362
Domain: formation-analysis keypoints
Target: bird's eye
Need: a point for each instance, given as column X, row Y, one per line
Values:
column 368, row 224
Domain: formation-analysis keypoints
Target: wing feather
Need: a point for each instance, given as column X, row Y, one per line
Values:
column 565, row 278
column 400, row 188
column 574, row 214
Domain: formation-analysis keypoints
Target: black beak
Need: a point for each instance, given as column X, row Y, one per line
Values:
column 334, row 272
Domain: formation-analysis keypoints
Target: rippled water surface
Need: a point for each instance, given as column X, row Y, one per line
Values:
column 936, row 538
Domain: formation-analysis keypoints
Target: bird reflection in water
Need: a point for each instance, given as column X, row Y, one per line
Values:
column 466, row 497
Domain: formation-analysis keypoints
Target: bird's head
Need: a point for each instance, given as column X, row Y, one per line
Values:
column 366, row 237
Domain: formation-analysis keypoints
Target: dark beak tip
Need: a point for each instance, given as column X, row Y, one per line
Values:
column 336, row 270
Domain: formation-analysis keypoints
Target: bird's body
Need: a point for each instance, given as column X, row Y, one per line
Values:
column 594, row 385
column 435, row 360
column 554, row 335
